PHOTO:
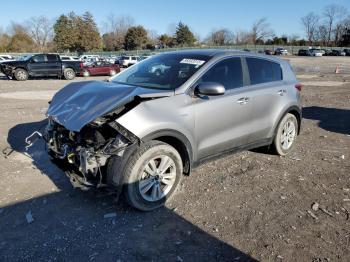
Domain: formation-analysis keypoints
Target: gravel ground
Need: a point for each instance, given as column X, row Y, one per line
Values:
column 247, row 206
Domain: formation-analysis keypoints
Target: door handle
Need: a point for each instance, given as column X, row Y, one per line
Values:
column 281, row 92
column 243, row 100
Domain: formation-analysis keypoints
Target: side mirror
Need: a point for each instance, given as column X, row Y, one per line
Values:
column 210, row 89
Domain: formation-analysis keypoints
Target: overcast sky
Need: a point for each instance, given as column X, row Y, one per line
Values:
column 201, row 16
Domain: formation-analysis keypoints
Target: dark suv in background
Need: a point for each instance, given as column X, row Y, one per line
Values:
column 40, row 65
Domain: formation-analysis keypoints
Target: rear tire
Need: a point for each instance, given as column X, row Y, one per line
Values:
column 286, row 135
column 151, row 175
column 21, row 74
column 69, row 74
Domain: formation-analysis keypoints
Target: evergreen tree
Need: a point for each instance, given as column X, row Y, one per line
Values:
column 184, row 36
column 135, row 38
column 77, row 33
column 65, row 34
column 89, row 35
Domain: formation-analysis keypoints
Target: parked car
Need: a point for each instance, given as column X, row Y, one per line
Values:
column 141, row 131
column 100, row 68
column 316, row 52
column 327, row 52
column 7, row 57
column 40, row 65
column 304, row 52
column 87, row 57
column 347, row 51
column 268, row 52
column 336, row 52
column 281, row 51
column 69, row 58
column 127, row 61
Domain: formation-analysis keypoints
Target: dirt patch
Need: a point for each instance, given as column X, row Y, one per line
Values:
column 306, row 76
column 245, row 207
column 322, row 83
column 30, row 95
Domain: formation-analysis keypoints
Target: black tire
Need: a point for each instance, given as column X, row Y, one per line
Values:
column 277, row 142
column 21, row 74
column 69, row 74
column 134, row 170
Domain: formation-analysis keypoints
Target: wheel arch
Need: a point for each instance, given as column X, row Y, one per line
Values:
column 178, row 141
column 294, row 110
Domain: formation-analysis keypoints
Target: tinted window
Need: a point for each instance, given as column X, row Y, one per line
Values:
column 39, row 58
column 52, row 58
column 227, row 72
column 262, row 71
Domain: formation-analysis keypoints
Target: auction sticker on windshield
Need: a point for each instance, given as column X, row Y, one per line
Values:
column 195, row 62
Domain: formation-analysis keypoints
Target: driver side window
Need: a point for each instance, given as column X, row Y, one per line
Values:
column 38, row 58
column 227, row 72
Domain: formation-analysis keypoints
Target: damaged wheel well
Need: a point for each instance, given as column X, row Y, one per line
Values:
column 179, row 142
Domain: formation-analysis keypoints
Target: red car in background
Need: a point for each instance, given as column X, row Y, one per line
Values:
column 100, row 68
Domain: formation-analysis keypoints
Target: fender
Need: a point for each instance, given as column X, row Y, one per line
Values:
column 170, row 133
column 289, row 109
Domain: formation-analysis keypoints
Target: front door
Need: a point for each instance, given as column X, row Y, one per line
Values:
column 223, row 122
column 37, row 65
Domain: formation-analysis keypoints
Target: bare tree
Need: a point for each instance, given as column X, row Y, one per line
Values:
column 260, row 30
column 41, row 30
column 321, row 34
column 221, row 37
column 152, row 36
column 332, row 13
column 116, row 28
column 310, row 23
column 241, row 37
column 171, row 30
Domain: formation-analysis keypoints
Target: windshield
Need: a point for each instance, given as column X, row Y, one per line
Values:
column 165, row 71
column 24, row 58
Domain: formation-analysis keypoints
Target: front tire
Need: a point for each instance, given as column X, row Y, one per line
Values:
column 286, row 135
column 151, row 175
column 69, row 74
column 21, row 74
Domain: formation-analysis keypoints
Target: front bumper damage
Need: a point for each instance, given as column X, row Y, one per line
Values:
column 84, row 155
column 7, row 70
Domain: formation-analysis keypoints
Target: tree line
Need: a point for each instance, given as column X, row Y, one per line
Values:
column 79, row 33
column 331, row 27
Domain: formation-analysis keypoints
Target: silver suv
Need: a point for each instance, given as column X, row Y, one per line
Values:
column 155, row 121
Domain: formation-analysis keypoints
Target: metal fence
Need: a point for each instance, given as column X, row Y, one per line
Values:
column 254, row 48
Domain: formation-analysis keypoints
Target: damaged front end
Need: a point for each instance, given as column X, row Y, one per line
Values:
column 7, row 69
column 84, row 155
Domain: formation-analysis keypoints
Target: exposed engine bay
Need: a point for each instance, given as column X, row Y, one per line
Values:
column 83, row 154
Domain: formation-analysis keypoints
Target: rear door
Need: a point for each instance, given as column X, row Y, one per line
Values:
column 267, row 95
column 53, row 65
column 105, row 68
column 223, row 122
column 37, row 65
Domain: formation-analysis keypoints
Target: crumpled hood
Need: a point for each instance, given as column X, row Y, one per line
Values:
column 79, row 103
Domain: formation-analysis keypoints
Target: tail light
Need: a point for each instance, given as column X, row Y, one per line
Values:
column 298, row 86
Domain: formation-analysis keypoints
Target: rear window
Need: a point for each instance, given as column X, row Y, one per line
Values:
column 263, row 71
column 52, row 58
